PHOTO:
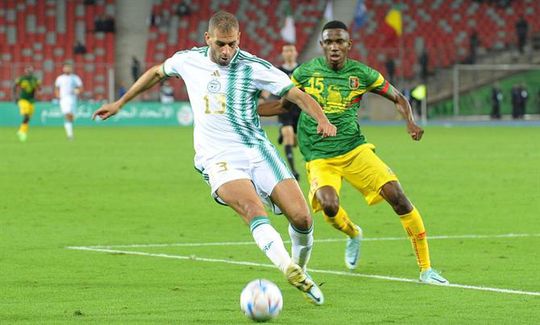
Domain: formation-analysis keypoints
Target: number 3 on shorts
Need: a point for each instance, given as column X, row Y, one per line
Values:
column 222, row 166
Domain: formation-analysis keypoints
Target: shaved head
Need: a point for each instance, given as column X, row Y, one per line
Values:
column 224, row 22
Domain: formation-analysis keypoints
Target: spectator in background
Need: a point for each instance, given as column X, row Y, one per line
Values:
column 473, row 46
column 418, row 94
column 182, row 10
column 99, row 23
column 121, row 90
column 522, row 100
column 79, row 48
column 165, row 19
column 423, row 60
column 89, row 2
column 135, row 68
column 154, row 19
column 538, row 101
column 496, row 100
column 515, row 101
column 522, row 29
column 108, row 24
column 390, row 68
column 166, row 93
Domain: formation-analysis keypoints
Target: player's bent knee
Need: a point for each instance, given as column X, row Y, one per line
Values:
column 330, row 210
column 330, row 205
column 302, row 221
column 299, row 216
column 329, row 200
column 394, row 195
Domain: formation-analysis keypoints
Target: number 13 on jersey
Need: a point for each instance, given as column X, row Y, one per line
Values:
column 215, row 103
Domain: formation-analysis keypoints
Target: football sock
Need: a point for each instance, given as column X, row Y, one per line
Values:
column 342, row 223
column 413, row 225
column 23, row 128
column 290, row 156
column 69, row 129
column 302, row 243
column 269, row 241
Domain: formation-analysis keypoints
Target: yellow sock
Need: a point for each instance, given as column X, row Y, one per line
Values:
column 23, row 128
column 342, row 223
column 413, row 225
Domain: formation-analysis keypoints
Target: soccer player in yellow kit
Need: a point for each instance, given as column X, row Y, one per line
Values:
column 28, row 85
column 337, row 83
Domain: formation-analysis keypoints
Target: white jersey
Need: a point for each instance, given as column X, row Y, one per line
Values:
column 67, row 83
column 224, row 99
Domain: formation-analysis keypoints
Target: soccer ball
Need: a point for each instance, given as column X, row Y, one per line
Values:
column 261, row 300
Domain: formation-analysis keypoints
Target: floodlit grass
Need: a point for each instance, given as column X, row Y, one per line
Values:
column 123, row 186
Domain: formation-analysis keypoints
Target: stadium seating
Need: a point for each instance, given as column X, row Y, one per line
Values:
column 43, row 33
column 260, row 21
column 443, row 28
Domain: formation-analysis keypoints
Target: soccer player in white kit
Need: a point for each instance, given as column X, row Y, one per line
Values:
column 232, row 152
column 67, row 87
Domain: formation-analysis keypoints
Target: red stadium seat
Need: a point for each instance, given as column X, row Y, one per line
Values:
column 494, row 26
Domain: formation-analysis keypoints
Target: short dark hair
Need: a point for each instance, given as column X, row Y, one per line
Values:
column 335, row 24
column 223, row 21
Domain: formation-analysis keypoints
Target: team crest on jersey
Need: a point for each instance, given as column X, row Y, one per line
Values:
column 354, row 82
column 214, row 86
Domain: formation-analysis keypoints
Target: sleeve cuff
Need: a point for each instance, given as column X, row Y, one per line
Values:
column 285, row 90
column 163, row 70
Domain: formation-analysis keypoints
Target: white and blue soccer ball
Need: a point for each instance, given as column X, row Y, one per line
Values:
column 261, row 300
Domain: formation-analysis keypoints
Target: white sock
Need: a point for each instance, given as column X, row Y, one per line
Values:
column 270, row 242
column 302, row 243
column 69, row 129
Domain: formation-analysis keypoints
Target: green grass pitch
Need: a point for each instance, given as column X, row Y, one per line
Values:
column 126, row 186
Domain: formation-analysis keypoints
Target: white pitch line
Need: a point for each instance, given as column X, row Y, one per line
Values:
column 342, row 273
column 326, row 240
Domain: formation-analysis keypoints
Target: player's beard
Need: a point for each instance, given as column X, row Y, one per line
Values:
column 222, row 61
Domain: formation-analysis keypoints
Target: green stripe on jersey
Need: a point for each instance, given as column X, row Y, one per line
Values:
column 232, row 97
column 255, row 59
column 273, row 160
column 247, row 78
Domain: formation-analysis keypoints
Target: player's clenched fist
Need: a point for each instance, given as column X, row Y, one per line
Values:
column 326, row 129
column 415, row 131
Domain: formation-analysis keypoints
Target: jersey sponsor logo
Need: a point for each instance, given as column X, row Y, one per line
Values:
column 354, row 82
column 214, row 86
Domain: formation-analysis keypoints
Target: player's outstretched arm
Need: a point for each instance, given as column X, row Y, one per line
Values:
column 151, row 77
column 311, row 107
column 404, row 108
